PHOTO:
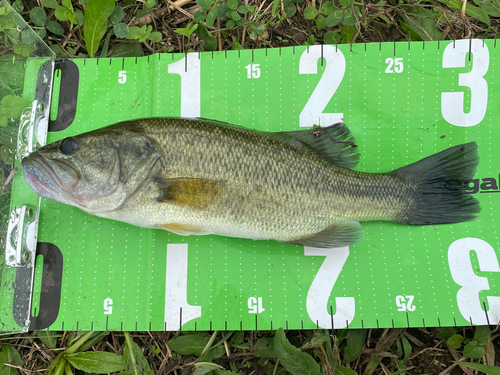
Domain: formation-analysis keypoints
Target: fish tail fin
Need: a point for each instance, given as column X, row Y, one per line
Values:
column 439, row 183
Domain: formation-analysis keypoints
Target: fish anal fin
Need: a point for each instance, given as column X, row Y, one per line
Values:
column 335, row 143
column 193, row 193
column 334, row 235
column 182, row 229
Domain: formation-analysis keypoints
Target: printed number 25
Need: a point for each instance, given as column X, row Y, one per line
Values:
column 312, row 114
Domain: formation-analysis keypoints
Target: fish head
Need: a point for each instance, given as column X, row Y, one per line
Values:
column 95, row 171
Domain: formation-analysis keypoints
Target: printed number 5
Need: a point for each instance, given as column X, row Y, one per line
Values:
column 396, row 63
column 122, row 76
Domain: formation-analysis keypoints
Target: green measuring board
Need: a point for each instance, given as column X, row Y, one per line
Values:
column 402, row 102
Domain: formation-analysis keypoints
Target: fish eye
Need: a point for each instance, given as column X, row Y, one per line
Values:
column 69, row 146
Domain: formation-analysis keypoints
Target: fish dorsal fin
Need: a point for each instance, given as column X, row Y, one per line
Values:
column 334, row 235
column 335, row 143
column 194, row 193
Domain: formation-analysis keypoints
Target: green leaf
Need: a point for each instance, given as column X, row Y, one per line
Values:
column 148, row 32
column 221, row 11
column 345, row 371
column 156, row 36
column 230, row 24
column 240, row 22
column 127, row 50
column 355, row 339
column 54, row 27
column 213, row 353
column 18, row 6
column 79, row 17
column 28, row 37
column 455, row 341
column 291, row 9
column 472, row 350
column 243, row 9
column 237, row 338
column 202, row 368
column 135, row 32
column 189, row 344
column 491, row 370
column 95, row 24
column 117, row 15
column 62, row 13
column 310, row 12
column 347, row 33
column 349, row 19
column 198, row 17
column 320, row 22
column 327, row 8
column 492, row 7
column 211, row 16
column 41, row 33
column 51, row 4
column 211, row 43
column 38, row 16
column 310, row 41
column 135, row 362
column 201, row 31
column 232, row 4
column 334, row 18
column 235, row 15
column 293, row 360
column 96, row 362
column 49, row 338
column 8, row 354
column 346, row 3
column 421, row 24
column 204, row 4
column 471, row 10
column 121, row 30
column 96, row 337
column 482, row 335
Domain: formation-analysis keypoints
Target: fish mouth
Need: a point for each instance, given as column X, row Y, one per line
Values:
column 41, row 177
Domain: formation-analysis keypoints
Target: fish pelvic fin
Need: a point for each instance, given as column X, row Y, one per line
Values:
column 334, row 235
column 335, row 143
column 183, row 229
column 438, row 183
column 193, row 193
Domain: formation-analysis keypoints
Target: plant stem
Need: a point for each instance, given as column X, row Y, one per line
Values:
column 79, row 343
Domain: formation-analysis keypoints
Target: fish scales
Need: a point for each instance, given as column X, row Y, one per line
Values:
column 194, row 176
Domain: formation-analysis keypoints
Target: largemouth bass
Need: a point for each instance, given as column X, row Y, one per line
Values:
column 195, row 176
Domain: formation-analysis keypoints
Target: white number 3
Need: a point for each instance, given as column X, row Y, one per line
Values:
column 471, row 284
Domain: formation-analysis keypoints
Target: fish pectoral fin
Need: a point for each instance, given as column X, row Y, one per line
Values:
column 194, row 193
column 183, row 229
column 334, row 235
column 335, row 143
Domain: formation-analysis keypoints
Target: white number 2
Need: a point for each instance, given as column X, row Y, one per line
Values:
column 253, row 70
column 122, row 76
column 321, row 288
column 471, row 284
column 452, row 103
column 396, row 63
column 312, row 114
